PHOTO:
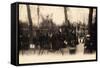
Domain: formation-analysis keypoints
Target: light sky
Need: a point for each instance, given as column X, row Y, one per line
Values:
column 56, row 13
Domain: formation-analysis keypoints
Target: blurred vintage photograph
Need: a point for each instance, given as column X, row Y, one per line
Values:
column 49, row 33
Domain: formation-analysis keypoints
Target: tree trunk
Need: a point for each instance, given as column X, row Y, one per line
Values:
column 38, row 14
column 30, row 23
column 90, row 20
column 66, row 17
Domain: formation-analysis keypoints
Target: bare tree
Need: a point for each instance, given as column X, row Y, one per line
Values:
column 30, row 22
column 65, row 13
column 90, row 19
column 38, row 10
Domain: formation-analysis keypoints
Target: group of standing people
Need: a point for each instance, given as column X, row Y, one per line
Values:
column 56, row 41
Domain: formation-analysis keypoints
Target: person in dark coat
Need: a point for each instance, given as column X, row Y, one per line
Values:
column 43, row 42
column 57, row 42
column 88, row 45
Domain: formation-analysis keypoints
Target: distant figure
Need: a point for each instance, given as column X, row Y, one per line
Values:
column 72, row 42
column 88, row 45
column 57, row 41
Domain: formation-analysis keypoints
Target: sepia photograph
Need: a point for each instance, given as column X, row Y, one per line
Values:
column 53, row 33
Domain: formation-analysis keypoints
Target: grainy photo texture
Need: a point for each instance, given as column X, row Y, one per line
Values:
column 56, row 33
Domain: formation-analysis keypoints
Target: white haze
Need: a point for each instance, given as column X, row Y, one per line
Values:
column 75, row 15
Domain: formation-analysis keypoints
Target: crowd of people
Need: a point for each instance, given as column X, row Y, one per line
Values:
column 52, row 39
